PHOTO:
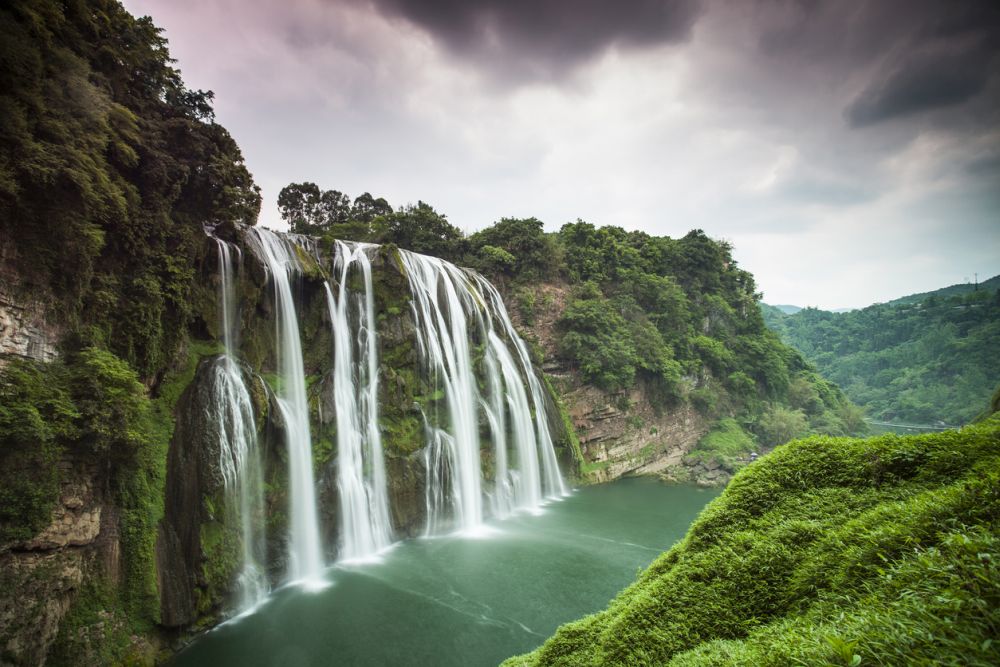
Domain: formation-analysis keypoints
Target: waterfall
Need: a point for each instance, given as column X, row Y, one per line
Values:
column 452, row 457
column 480, row 385
column 239, row 457
column 554, row 483
column 361, row 481
column 305, row 560
column 446, row 301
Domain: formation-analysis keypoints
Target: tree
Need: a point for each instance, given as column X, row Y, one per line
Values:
column 422, row 229
column 299, row 204
column 525, row 241
column 334, row 208
column 366, row 208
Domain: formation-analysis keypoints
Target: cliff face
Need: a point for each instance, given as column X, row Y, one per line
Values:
column 27, row 329
column 620, row 433
column 41, row 577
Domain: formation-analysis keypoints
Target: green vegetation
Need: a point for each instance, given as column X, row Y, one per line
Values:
column 909, row 362
column 726, row 443
column 90, row 408
column 826, row 552
column 109, row 167
column 37, row 420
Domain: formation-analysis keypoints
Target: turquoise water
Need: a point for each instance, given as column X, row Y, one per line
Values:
column 466, row 601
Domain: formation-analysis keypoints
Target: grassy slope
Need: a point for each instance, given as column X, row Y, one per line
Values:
column 828, row 551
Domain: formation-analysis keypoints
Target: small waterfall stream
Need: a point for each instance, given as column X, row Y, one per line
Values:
column 305, row 559
column 364, row 503
column 239, row 455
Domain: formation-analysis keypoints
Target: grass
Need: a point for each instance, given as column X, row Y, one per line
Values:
column 829, row 551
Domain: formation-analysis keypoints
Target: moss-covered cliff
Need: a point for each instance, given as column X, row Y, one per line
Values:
column 828, row 551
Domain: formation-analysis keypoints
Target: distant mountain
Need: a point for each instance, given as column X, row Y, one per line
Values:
column 788, row 310
column 991, row 285
column 920, row 359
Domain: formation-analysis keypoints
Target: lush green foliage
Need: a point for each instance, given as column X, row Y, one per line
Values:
column 680, row 315
column 109, row 167
column 726, row 443
column 417, row 227
column 532, row 254
column 911, row 362
column 90, row 409
column 827, row 551
column 309, row 210
column 37, row 419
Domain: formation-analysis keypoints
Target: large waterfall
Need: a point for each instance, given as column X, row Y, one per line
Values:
column 305, row 559
column 479, row 389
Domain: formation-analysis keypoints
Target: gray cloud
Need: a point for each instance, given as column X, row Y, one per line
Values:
column 948, row 62
column 922, row 83
column 544, row 38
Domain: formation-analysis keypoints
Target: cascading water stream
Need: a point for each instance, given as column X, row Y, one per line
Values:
column 444, row 299
column 527, row 488
column 305, row 560
column 239, row 457
column 496, row 413
column 438, row 289
column 361, row 480
column 554, row 484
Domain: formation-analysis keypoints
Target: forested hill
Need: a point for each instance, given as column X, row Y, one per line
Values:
column 960, row 289
column 908, row 361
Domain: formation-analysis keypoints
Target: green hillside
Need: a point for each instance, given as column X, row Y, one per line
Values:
column 826, row 552
column 991, row 285
column 923, row 362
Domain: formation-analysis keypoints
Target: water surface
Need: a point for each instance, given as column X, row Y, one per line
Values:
column 466, row 601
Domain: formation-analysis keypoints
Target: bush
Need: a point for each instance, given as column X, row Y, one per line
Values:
column 37, row 420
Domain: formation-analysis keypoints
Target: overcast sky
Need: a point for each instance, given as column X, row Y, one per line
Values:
column 850, row 151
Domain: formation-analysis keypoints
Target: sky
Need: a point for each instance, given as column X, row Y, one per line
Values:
column 848, row 150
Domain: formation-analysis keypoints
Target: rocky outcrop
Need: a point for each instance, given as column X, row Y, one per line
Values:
column 40, row 578
column 620, row 433
column 634, row 439
column 27, row 328
column 190, row 586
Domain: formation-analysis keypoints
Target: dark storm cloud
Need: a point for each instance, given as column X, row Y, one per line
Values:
column 900, row 57
column 545, row 37
column 949, row 61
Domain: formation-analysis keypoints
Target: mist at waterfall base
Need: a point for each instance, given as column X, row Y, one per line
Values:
column 464, row 601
